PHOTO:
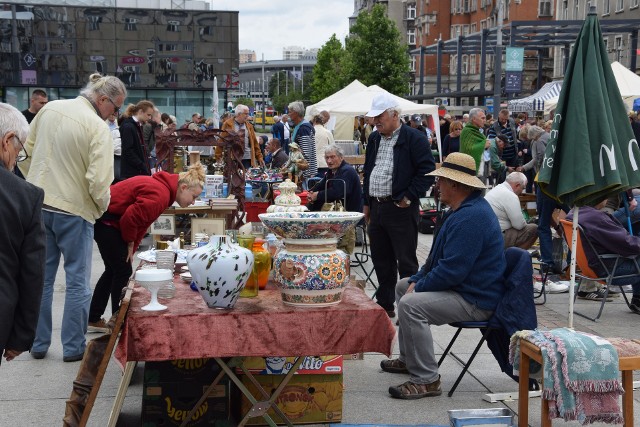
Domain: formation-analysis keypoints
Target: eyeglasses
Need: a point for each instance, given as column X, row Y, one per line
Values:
column 22, row 155
column 116, row 110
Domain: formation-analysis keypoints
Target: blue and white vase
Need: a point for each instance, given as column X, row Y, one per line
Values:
column 220, row 270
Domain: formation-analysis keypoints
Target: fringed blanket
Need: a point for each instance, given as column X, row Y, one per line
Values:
column 580, row 374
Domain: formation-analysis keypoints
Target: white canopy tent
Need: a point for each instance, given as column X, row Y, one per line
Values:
column 345, row 106
column 537, row 101
column 628, row 84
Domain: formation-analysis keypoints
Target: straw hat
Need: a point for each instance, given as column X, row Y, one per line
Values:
column 461, row 168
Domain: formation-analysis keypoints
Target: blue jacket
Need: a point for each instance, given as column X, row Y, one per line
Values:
column 335, row 189
column 412, row 159
column 467, row 256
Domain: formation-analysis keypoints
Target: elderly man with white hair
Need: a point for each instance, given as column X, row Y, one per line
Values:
column 396, row 165
column 22, row 253
column 252, row 156
column 505, row 203
column 71, row 152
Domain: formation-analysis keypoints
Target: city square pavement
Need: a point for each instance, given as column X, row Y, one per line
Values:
column 33, row 392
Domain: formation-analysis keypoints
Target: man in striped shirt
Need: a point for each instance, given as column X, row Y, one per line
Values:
column 506, row 126
column 305, row 136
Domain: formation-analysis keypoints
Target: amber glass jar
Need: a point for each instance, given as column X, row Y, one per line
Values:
column 261, row 263
column 250, row 290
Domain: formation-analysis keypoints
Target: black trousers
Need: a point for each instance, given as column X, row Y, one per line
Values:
column 393, row 234
column 117, row 270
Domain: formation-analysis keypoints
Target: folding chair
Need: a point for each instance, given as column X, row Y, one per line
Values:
column 586, row 272
column 515, row 311
column 363, row 257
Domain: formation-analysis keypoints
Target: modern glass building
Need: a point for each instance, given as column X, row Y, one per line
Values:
column 168, row 56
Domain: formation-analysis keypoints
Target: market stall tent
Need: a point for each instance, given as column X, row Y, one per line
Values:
column 628, row 84
column 537, row 101
column 346, row 107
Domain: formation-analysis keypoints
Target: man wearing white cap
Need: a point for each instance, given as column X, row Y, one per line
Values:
column 462, row 280
column 397, row 162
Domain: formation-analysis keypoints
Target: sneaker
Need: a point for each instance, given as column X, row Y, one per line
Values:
column 391, row 313
column 593, row 296
column 38, row 354
column 74, row 358
column 556, row 287
column 99, row 326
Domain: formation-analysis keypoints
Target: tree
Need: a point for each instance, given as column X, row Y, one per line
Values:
column 375, row 53
column 245, row 101
column 328, row 76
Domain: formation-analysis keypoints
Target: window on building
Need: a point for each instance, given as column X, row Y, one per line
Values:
column 453, row 65
column 411, row 37
column 633, row 4
column 619, row 5
column 465, row 6
column 483, row 24
column 413, row 64
column 544, row 8
column 606, row 44
column 465, row 30
column 453, row 6
column 565, row 9
column 505, row 15
column 472, row 64
column 618, row 47
column 465, row 64
column 606, row 7
column 474, row 28
column 411, row 11
column 576, row 10
column 474, row 5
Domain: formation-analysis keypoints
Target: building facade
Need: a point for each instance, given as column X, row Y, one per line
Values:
column 168, row 56
column 247, row 55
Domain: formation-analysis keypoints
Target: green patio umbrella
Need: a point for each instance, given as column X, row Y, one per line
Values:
column 592, row 151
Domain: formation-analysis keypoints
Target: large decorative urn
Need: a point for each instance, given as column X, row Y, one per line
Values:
column 310, row 270
column 220, row 270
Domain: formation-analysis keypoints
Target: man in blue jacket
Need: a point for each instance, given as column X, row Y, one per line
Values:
column 396, row 165
column 462, row 280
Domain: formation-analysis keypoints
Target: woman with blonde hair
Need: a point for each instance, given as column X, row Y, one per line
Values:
column 135, row 159
column 135, row 204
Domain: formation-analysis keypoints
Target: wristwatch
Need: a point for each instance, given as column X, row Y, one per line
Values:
column 407, row 201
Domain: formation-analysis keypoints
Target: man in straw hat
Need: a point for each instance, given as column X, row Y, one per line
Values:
column 462, row 280
column 397, row 161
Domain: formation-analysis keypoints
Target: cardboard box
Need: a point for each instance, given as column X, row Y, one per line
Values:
column 201, row 370
column 311, row 365
column 307, row 399
column 168, row 404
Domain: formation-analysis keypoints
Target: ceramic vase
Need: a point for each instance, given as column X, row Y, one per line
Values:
column 310, row 270
column 220, row 270
column 288, row 200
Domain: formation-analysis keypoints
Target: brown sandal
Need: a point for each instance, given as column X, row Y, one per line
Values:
column 411, row 390
column 394, row 366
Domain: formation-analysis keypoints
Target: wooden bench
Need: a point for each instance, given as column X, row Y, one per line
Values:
column 529, row 351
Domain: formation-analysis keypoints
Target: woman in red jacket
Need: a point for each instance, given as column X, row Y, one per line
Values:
column 135, row 204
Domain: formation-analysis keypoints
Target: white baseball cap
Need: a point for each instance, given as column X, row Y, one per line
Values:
column 381, row 103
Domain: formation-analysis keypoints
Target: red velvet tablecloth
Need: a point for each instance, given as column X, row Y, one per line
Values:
column 261, row 326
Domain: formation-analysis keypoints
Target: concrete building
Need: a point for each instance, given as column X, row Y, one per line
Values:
column 166, row 54
column 295, row 53
column 256, row 75
column 247, row 55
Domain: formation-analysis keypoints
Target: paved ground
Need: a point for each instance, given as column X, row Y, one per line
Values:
column 33, row 392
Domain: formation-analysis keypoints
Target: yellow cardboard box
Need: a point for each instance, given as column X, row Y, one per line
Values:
column 306, row 399
column 310, row 365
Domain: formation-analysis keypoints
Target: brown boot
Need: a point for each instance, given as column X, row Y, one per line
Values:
column 411, row 390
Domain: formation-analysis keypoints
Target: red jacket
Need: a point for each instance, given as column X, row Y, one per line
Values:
column 138, row 201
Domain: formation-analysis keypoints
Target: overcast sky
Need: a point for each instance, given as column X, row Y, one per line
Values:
column 266, row 26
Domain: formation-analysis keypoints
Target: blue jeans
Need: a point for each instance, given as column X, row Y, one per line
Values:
column 621, row 214
column 628, row 267
column 545, row 205
column 72, row 237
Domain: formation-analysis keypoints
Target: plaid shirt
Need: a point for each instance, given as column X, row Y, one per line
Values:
column 381, row 177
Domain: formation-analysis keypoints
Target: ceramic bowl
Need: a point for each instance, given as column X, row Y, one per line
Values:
column 310, row 225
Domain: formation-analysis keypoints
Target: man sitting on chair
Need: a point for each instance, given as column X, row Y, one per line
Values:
column 609, row 237
column 462, row 280
column 504, row 201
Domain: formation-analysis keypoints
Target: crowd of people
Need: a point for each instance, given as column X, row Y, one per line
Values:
column 85, row 172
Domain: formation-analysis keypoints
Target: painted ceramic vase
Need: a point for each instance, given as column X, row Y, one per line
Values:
column 220, row 270
column 310, row 271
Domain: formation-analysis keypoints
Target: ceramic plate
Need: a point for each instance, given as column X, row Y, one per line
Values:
column 150, row 256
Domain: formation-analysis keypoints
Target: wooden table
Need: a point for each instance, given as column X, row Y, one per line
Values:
column 213, row 210
column 261, row 326
column 529, row 351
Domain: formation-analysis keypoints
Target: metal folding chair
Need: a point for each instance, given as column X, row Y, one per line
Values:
column 363, row 257
column 586, row 272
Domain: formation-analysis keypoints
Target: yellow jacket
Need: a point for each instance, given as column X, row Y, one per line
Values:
column 256, row 154
column 71, row 158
